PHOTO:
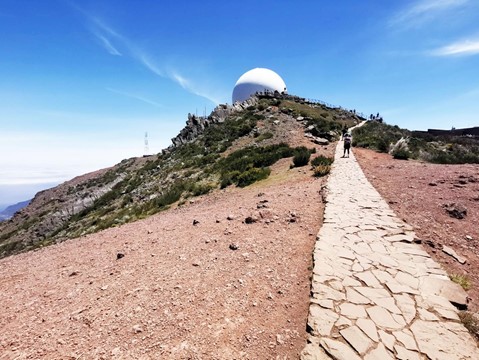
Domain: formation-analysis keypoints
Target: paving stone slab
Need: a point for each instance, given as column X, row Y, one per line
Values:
column 339, row 350
column 380, row 353
column 369, row 328
column 357, row 339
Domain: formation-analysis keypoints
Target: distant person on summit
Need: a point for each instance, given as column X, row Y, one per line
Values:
column 347, row 144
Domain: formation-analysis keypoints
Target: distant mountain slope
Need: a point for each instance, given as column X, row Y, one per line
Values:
column 459, row 146
column 12, row 209
column 234, row 145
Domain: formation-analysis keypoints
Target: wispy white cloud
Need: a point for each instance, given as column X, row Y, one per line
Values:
column 459, row 48
column 190, row 87
column 134, row 96
column 104, row 33
column 173, row 75
column 108, row 45
column 425, row 10
column 146, row 61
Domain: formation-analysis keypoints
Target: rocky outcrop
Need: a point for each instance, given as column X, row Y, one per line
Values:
column 195, row 125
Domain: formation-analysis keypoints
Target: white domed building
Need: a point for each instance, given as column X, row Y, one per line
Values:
column 257, row 80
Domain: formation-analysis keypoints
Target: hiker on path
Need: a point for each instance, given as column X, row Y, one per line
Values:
column 347, row 144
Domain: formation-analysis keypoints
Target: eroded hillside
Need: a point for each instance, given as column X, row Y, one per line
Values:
column 234, row 145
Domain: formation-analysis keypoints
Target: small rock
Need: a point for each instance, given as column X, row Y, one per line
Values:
column 449, row 251
column 457, row 211
column 119, row 255
column 73, row 273
column 432, row 183
column 230, row 217
column 207, row 241
column 320, row 141
column 234, row 246
column 195, row 222
column 137, row 329
column 196, row 263
column 468, row 237
column 279, row 339
column 250, row 220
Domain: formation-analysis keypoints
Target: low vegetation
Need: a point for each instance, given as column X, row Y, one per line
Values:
column 301, row 156
column 321, row 165
column 462, row 280
column 404, row 144
column 470, row 322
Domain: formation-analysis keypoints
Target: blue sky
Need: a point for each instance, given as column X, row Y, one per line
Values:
column 81, row 81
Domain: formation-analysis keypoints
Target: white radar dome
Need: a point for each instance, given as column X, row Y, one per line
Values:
column 257, row 80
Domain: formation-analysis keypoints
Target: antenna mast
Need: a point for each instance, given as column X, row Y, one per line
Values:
column 147, row 148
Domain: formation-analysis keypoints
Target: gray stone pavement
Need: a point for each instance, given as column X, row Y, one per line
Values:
column 376, row 294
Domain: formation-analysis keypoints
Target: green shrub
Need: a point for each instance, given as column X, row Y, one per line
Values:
column 252, row 175
column 264, row 136
column 250, row 163
column 378, row 136
column 171, row 195
column 11, row 247
column 322, row 160
column 301, row 156
column 400, row 149
column 382, row 145
column 202, row 188
column 229, row 178
column 243, row 159
column 401, row 154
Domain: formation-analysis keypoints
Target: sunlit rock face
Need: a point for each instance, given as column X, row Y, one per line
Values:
column 257, row 80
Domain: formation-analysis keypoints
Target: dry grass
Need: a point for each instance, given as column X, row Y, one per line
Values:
column 462, row 280
column 471, row 322
column 321, row 170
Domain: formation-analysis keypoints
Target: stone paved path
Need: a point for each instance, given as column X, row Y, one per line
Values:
column 376, row 294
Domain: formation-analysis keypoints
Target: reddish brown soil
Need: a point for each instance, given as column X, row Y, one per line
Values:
column 417, row 191
column 220, row 289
